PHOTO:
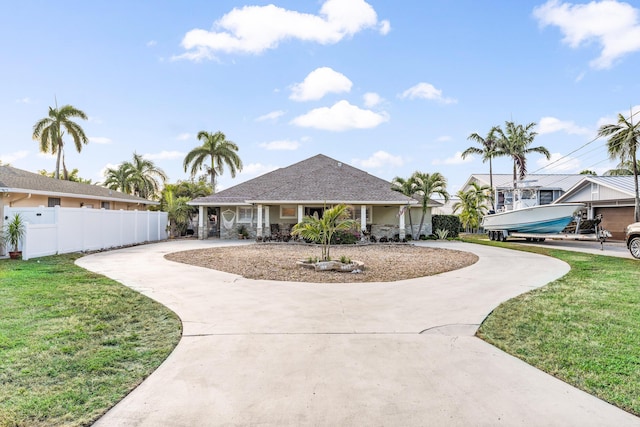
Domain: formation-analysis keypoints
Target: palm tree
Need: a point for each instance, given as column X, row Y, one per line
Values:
column 120, row 178
column 321, row 230
column 178, row 211
column 146, row 177
column 489, row 148
column 624, row 168
column 426, row 185
column 515, row 142
column 588, row 172
column 49, row 131
column 408, row 188
column 472, row 205
column 215, row 147
column 624, row 138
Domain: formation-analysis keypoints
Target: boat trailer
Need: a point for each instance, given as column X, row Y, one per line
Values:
column 578, row 229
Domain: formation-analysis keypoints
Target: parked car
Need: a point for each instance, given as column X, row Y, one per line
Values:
column 633, row 239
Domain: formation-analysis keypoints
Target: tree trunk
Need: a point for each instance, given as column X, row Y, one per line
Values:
column 635, row 182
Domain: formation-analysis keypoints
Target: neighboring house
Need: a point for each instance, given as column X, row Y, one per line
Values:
column 550, row 186
column 280, row 199
column 66, row 216
column 20, row 188
column 609, row 196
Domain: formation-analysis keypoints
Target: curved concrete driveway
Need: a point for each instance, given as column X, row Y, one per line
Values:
column 402, row 353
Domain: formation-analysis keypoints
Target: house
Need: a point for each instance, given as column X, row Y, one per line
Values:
column 280, row 199
column 20, row 188
column 65, row 216
column 550, row 186
column 609, row 196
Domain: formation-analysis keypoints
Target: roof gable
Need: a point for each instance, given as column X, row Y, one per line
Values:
column 618, row 187
column 21, row 181
column 316, row 179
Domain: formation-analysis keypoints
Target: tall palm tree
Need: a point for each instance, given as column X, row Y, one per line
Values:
column 624, row 138
column 408, row 188
column 146, row 177
column 220, row 151
column 120, row 178
column 50, row 130
column 515, row 141
column 426, row 185
column 489, row 148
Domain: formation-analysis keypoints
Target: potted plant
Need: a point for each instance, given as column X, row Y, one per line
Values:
column 243, row 233
column 13, row 233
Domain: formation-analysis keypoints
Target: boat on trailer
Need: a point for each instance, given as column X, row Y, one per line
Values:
column 533, row 219
column 522, row 215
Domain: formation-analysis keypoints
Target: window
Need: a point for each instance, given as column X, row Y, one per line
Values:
column 313, row 210
column 288, row 212
column 546, row 197
column 54, row 201
column 105, row 205
column 245, row 214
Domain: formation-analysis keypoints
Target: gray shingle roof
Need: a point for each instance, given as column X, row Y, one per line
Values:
column 21, row 181
column 317, row 179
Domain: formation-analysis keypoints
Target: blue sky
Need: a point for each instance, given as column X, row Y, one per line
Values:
column 388, row 87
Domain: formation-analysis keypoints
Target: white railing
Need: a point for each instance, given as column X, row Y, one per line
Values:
column 59, row 230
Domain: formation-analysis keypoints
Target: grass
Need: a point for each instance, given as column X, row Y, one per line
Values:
column 583, row 328
column 73, row 343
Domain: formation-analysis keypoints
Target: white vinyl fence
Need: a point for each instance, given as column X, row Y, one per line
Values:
column 59, row 230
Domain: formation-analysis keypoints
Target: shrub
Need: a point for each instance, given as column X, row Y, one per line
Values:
column 451, row 223
column 345, row 238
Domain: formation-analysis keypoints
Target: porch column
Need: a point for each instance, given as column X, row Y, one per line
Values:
column 402, row 230
column 267, row 223
column 363, row 218
column 300, row 213
column 259, row 225
column 201, row 230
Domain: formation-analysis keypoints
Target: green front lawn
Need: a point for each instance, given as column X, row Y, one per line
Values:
column 73, row 343
column 583, row 328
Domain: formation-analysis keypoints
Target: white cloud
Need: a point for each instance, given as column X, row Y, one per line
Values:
column 254, row 169
column 611, row 24
column 385, row 27
column 185, row 136
column 99, row 140
column 151, row 43
column 341, row 116
column 552, row 124
column 318, row 83
column 379, row 159
column 426, row 91
column 96, row 120
column 274, row 115
column 371, row 99
column 164, row 155
column 456, row 159
column 566, row 165
column 254, row 29
column 12, row 157
column 282, row 145
column 25, row 100
column 444, row 138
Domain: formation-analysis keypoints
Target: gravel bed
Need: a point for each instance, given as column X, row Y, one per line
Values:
column 277, row 261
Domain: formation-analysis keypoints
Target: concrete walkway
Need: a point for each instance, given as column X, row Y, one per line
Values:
column 298, row 354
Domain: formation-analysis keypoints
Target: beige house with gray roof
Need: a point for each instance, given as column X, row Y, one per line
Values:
column 65, row 216
column 280, row 199
column 20, row 188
